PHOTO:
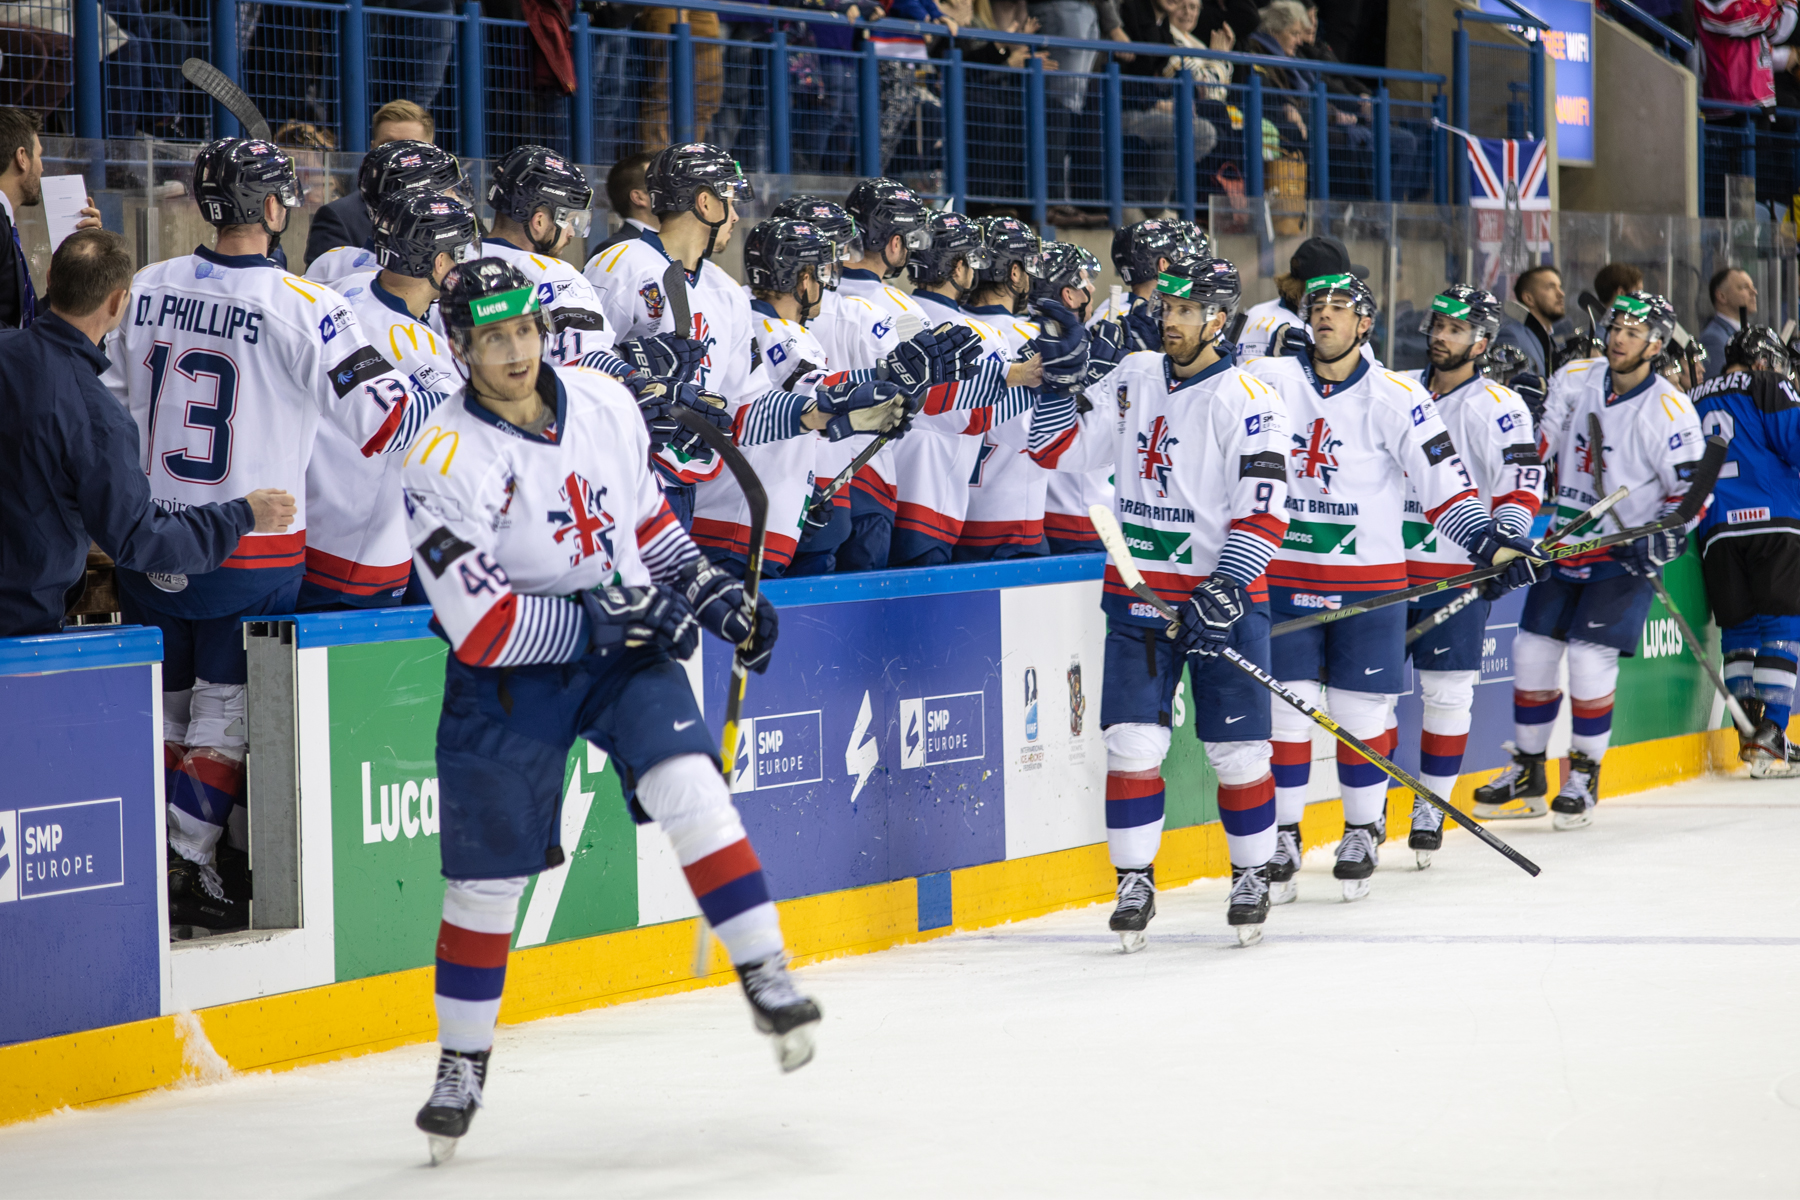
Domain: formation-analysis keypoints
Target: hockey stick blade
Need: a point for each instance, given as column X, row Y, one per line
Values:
column 214, row 83
column 1113, row 538
column 674, row 285
column 1706, row 473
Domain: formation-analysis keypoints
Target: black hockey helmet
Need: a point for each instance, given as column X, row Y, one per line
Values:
column 779, row 249
column 1137, row 249
column 233, row 175
column 1060, row 265
column 1462, row 302
column 395, row 165
column 1197, row 239
column 1008, row 241
column 414, row 225
column 678, row 174
column 530, row 178
column 482, row 292
column 832, row 219
column 1643, row 308
column 1502, row 360
column 1344, row 288
column 884, row 208
column 1757, row 343
column 1212, row 282
column 954, row 238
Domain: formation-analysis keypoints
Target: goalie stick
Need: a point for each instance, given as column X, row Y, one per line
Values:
column 214, row 83
column 1113, row 538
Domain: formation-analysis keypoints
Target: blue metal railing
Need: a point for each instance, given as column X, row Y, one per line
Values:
column 1745, row 140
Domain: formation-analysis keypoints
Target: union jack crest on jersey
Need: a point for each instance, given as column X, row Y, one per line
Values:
column 1154, row 459
column 1314, row 454
column 585, row 527
column 1584, row 454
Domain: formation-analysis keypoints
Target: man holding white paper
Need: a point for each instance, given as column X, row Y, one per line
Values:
column 22, row 185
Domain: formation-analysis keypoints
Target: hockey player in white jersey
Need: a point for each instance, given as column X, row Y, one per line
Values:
column 389, row 168
column 1264, row 322
column 1140, row 253
column 568, row 593
column 1358, row 433
column 357, row 555
column 1595, row 605
column 1065, row 273
column 1492, row 430
column 229, row 365
column 1198, row 448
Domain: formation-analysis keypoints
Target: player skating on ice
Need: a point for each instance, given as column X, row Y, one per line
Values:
column 229, row 365
column 357, row 555
column 1358, row 432
column 568, row 593
column 391, row 167
column 1198, row 449
column 1750, row 538
column 1595, row 604
column 1491, row 428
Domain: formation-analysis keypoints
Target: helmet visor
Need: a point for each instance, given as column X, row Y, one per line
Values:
column 918, row 238
column 851, row 248
column 577, row 221
column 1458, row 334
column 829, row 273
column 733, row 187
column 979, row 258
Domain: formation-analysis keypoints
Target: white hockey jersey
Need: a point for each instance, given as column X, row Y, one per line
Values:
column 1350, row 449
column 506, row 524
column 855, row 335
column 1263, row 323
column 1006, row 486
column 339, row 263
column 562, row 290
column 355, row 526
column 1200, row 468
column 1652, row 443
column 1491, row 428
column 876, row 481
column 228, row 364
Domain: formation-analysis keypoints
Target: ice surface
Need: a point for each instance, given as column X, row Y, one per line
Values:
column 1625, row 1025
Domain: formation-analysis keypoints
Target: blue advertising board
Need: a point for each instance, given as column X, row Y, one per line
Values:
column 80, row 876
column 1570, row 42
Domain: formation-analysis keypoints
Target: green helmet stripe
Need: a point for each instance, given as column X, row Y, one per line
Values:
column 502, row 306
column 1329, row 283
column 1174, row 285
column 1630, row 305
column 1450, row 306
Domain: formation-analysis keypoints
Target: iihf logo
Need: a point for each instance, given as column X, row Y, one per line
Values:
column 585, row 524
column 1313, row 453
column 1154, row 459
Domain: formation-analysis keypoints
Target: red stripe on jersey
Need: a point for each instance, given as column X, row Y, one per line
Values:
column 722, row 867
column 485, row 642
column 385, row 434
column 266, row 551
column 1528, row 501
column 1001, row 533
column 1050, row 455
column 646, row 533
column 1129, row 785
column 1173, row 588
column 980, row 421
column 940, row 398
column 1298, row 573
column 1432, row 514
column 1241, row 797
column 1070, row 528
column 732, row 538
column 353, row 578
column 1269, row 527
column 466, row 948
column 871, row 484
column 919, row 519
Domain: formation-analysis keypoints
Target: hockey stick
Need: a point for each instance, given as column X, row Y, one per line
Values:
column 1580, row 522
column 214, row 83
column 1113, row 538
column 1699, row 488
column 1747, row 727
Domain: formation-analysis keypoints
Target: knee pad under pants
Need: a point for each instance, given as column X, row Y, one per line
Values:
column 1238, row 762
column 1537, row 661
column 687, row 796
column 216, row 718
column 1135, row 747
column 1289, row 723
column 1135, row 796
column 1593, row 670
column 1448, row 695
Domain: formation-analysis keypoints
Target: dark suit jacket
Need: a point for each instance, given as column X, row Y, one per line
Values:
column 343, row 222
column 13, row 270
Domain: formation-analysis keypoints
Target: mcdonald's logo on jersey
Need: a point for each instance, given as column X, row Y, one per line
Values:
column 429, row 439
column 1154, row 459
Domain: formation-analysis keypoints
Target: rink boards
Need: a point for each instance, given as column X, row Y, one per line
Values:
column 924, row 754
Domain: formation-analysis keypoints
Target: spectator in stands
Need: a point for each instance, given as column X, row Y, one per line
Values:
column 347, row 221
column 629, row 197
column 1735, row 38
column 409, row 55
column 1154, row 125
column 74, row 470
column 1066, row 91
column 1730, row 289
column 1539, row 290
column 709, row 75
column 21, row 186
column 994, row 105
column 823, row 86
column 1285, row 28
column 1614, row 278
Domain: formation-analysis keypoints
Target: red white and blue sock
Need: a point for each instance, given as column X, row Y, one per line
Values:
column 1246, row 800
column 1134, row 812
column 472, row 945
column 1363, row 784
column 1449, row 699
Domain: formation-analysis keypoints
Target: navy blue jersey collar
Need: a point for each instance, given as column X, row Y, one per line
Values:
column 1326, row 387
column 550, row 391
column 500, row 241
column 53, row 328
column 1176, row 385
column 859, row 273
column 1477, row 377
column 388, row 298
column 991, row 310
column 764, row 308
column 934, row 298
column 1613, row 397
column 232, row 260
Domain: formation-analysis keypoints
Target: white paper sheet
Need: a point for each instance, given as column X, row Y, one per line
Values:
column 64, row 198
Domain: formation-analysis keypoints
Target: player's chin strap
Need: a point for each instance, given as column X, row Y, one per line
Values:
column 546, row 248
column 712, row 227
column 1354, row 347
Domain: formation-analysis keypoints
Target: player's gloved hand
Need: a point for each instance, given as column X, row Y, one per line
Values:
column 868, row 407
column 1218, row 603
column 1141, row 330
column 960, row 349
column 719, row 601
column 1292, row 342
column 1106, row 350
column 656, row 402
column 1493, row 546
column 710, row 405
column 1532, row 389
column 665, row 356
column 1647, row 556
column 620, row 616
column 1063, row 347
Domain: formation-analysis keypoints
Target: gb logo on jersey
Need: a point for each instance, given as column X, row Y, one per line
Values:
column 1584, row 454
column 584, row 527
column 651, row 295
column 1154, row 459
column 1314, row 454
column 703, row 335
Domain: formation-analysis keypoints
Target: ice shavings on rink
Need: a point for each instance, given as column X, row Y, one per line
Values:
column 1621, row 1026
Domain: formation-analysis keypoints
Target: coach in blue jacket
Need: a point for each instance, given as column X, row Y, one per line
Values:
column 71, row 470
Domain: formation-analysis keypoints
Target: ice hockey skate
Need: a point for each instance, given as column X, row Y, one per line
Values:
column 1573, row 807
column 1249, row 903
column 780, row 1010
column 1768, row 752
column 1283, row 864
column 1517, row 793
column 454, row 1099
column 198, row 900
column 1137, row 904
column 1358, row 854
column 1427, row 831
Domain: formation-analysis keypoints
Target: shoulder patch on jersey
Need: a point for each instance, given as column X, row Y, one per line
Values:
column 364, row 364
column 579, row 318
column 1264, row 464
column 652, row 296
column 335, row 322
column 441, row 548
column 1520, row 454
column 1439, row 447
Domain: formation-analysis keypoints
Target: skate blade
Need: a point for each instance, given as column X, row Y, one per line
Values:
column 1249, row 935
column 1423, row 858
column 1765, row 767
column 1284, row 892
column 1133, row 940
column 1513, row 810
column 794, row 1049
column 443, row 1149
column 1356, row 889
column 1580, row 820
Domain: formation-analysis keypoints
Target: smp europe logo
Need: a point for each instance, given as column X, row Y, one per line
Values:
column 779, row 751
column 62, row 848
column 942, row 729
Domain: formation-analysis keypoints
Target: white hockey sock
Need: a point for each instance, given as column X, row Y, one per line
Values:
column 1593, row 677
column 1537, row 661
column 1291, row 750
column 1246, row 800
column 472, row 944
column 1134, row 793
column 1364, row 785
column 1449, row 697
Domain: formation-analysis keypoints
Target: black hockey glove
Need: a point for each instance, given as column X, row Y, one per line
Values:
column 1522, row 566
column 1106, row 350
column 1532, row 389
column 1218, row 603
column 947, row 354
column 718, row 600
column 666, row 356
column 1063, row 345
column 868, row 407
column 1292, row 342
column 710, row 405
column 656, row 402
column 1649, row 555
column 639, row 616
column 1141, row 330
